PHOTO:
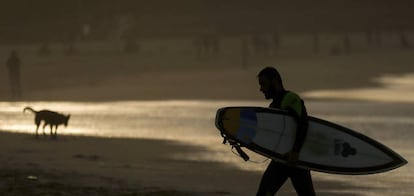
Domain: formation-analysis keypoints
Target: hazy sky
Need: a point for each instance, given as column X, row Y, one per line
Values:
column 35, row 20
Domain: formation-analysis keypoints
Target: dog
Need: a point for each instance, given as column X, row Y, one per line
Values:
column 51, row 118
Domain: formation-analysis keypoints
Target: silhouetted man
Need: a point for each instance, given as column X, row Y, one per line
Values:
column 13, row 66
column 277, row 173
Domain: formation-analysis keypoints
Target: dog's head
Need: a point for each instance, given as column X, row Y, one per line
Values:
column 67, row 120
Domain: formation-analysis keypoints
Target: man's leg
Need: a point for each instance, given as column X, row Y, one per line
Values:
column 273, row 178
column 302, row 181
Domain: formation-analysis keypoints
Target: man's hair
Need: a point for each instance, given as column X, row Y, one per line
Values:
column 271, row 73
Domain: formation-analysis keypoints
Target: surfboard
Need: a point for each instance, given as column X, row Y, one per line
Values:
column 328, row 147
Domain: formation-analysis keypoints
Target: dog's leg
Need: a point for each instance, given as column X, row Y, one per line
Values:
column 44, row 133
column 56, row 127
column 51, row 130
column 37, row 128
column 37, row 123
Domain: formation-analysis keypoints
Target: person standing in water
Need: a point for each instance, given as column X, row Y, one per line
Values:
column 13, row 67
column 276, row 174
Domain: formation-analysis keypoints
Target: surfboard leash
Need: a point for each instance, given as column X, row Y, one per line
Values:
column 239, row 152
column 251, row 161
column 235, row 145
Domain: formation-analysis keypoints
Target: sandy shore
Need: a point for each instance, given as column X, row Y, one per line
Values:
column 110, row 165
column 75, row 165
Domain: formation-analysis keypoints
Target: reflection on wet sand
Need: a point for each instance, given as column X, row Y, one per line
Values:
column 168, row 137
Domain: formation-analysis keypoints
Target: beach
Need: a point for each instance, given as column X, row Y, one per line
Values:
column 175, row 157
column 75, row 164
column 89, row 165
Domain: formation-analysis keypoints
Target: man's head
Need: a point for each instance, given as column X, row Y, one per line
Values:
column 270, row 82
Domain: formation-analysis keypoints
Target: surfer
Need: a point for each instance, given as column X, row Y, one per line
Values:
column 276, row 174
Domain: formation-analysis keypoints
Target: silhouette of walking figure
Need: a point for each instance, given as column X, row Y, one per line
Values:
column 13, row 66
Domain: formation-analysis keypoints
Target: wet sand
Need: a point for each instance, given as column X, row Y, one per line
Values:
column 110, row 165
column 75, row 165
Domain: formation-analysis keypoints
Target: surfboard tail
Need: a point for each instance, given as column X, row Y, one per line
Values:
column 234, row 144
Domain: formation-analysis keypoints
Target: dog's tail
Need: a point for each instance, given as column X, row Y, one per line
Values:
column 30, row 109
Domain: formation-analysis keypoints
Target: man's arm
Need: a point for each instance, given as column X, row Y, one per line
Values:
column 295, row 106
column 301, row 130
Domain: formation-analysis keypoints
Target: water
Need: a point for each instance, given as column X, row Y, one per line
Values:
column 396, row 88
column 171, row 120
column 192, row 122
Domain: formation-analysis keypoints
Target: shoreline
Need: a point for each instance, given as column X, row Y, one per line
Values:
column 96, row 78
column 108, row 164
column 84, row 165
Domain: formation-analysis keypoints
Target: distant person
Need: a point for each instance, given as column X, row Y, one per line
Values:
column 260, row 45
column 13, row 67
column 277, row 173
column 207, row 46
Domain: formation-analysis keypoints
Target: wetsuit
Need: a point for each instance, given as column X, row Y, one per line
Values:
column 277, row 173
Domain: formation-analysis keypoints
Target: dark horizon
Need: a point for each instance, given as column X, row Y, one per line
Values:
column 26, row 21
